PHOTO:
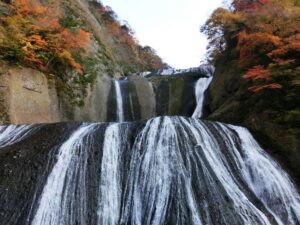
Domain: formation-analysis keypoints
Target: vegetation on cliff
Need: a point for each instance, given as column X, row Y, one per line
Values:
column 262, row 38
column 72, row 41
column 123, row 35
column 255, row 46
column 36, row 34
column 43, row 35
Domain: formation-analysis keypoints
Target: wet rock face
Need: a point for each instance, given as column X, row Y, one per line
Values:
column 143, row 98
column 167, row 170
column 25, row 165
column 28, row 97
column 231, row 102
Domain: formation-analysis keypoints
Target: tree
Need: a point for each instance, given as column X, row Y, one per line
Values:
column 248, row 5
column 263, row 36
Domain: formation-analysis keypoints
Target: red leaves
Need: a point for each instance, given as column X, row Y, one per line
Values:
column 262, row 36
column 248, row 5
column 257, row 72
column 34, row 28
column 260, row 88
column 254, row 45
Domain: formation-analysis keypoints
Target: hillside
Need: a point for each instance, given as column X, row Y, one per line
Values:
column 54, row 54
column 256, row 83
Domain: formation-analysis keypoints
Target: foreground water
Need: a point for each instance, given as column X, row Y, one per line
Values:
column 167, row 170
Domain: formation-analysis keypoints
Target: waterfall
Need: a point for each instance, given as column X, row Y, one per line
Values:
column 201, row 86
column 12, row 134
column 265, row 177
column 63, row 200
column 109, row 199
column 119, row 99
column 169, row 170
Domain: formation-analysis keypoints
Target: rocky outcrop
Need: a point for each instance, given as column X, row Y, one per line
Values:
column 231, row 102
column 29, row 96
column 101, row 173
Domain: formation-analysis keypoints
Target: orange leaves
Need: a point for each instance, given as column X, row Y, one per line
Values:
column 38, row 41
column 34, row 35
column 260, row 88
column 257, row 72
column 263, row 36
column 34, row 44
column 254, row 45
column 282, row 62
column 75, row 39
column 29, row 7
column 67, row 56
column 122, row 33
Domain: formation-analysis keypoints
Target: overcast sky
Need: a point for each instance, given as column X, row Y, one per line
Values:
column 170, row 27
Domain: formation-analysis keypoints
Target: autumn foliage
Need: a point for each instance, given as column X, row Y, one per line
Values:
column 32, row 34
column 248, row 5
column 123, row 34
column 263, row 36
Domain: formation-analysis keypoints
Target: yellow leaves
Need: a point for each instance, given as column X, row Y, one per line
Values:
column 68, row 58
column 33, row 34
column 37, row 41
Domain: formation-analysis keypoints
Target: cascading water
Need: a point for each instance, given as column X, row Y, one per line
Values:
column 200, row 89
column 63, row 200
column 164, row 171
column 12, row 134
column 109, row 199
column 119, row 100
column 201, row 86
column 169, row 170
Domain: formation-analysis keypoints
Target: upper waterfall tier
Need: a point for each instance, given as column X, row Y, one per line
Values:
column 161, row 93
column 29, row 97
column 166, row 170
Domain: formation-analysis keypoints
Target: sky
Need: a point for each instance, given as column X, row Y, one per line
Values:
column 170, row 27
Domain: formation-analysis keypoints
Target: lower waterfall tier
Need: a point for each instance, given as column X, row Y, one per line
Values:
column 166, row 170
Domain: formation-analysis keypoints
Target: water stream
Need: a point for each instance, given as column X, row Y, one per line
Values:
column 180, row 171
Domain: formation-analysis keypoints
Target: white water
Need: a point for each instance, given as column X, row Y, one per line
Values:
column 207, row 69
column 12, row 134
column 265, row 177
column 119, row 100
column 109, row 200
column 201, row 86
column 179, row 171
column 155, row 168
column 57, row 203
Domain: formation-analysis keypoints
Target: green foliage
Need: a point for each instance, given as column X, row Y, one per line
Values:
column 90, row 71
column 1, row 11
column 69, row 22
